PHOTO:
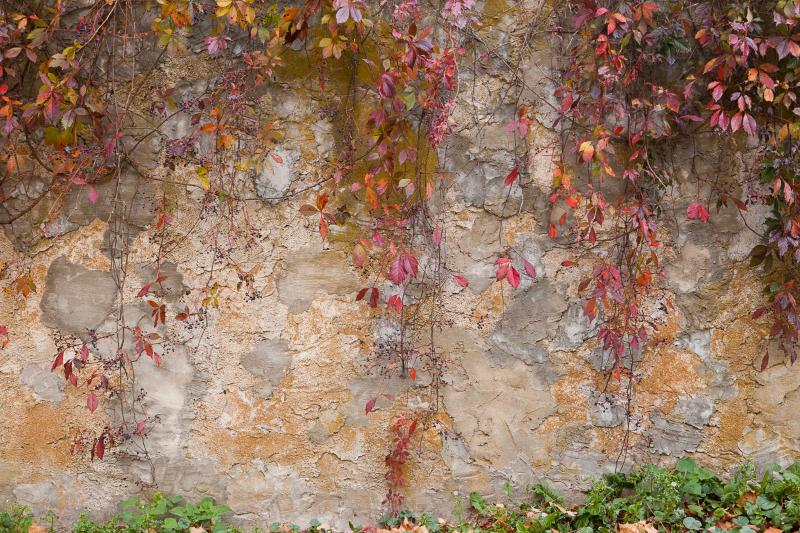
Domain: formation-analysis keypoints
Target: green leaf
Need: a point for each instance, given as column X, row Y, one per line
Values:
column 686, row 465
column 476, row 501
column 692, row 523
column 693, row 487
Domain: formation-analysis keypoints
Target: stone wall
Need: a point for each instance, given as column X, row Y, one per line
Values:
column 262, row 405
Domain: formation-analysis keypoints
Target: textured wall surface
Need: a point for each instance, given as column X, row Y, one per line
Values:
column 262, row 406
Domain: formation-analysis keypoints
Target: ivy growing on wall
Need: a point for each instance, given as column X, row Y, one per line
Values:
column 635, row 80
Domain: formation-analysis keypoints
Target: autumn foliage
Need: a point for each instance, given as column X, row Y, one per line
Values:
column 635, row 80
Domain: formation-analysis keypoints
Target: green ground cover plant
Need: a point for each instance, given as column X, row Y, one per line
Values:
column 650, row 499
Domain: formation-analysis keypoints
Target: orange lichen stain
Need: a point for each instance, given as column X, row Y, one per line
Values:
column 572, row 403
column 739, row 344
column 670, row 372
column 240, row 447
column 518, row 226
column 42, row 438
column 444, row 419
column 331, row 469
column 733, row 419
column 668, row 331
column 609, row 440
column 487, row 305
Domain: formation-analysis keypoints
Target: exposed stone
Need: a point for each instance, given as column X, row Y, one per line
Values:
column 500, row 199
column 272, row 490
column 173, row 286
column 268, row 361
column 574, row 328
column 695, row 410
column 671, row 437
column 606, row 411
column 273, row 182
column 39, row 497
column 309, row 272
column 764, row 447
column 75, row 298
column 366, row 389
column 45, row 385
column 167, row 390
column 476, row 251
column 496, row 410
column 521, row 333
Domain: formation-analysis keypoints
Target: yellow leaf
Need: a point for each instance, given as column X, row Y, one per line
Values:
column 202, row 177
column 587, row 151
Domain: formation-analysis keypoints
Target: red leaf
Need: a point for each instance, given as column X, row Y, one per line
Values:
column 100, row 447
column 361, row 294
column 697, row 211
column 144, row 290
column 395, row 302
column 758, row 312
column 276, row 157
column 370, row 405
column 308, row 210
column 359, row 255
column 502, row 272
column 140, row 427
column 590, row 308
column 736, row 121
column 93, row 194
column 412, row 374
column 513, row 277
column 765, row 362
column 58, row 362
column 91, row 402
column 410, row 265
column 553, row 232
column 396, row 272
column 749, row 124
column 373, row 298
column 323, row 227
column 511, row 176
column 529, row 269
column 461, row 281
column 84, row 353
column 568, row 263
column 437, row 236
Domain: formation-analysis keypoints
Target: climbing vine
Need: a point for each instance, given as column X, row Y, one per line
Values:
column 635, row 80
